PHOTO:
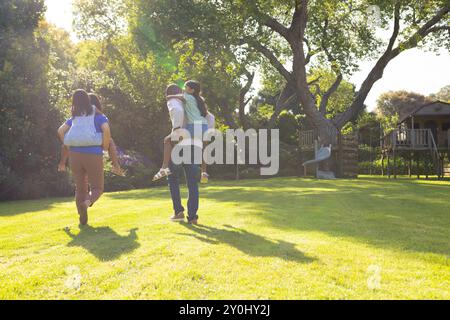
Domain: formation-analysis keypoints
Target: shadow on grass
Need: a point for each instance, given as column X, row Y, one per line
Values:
column 402, row 214
column 12, row 208
column 103, row 242
column 405, row 215
column 249, row 243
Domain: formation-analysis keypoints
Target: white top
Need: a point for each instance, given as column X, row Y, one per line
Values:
column 176, row 112
column 211, row 120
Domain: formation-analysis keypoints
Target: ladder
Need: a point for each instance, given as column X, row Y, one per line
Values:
column 438, row 161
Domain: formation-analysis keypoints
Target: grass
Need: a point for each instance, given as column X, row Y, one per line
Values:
column 283, row 238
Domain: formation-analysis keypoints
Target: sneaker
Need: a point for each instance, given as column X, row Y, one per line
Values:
column 204, row 178
column 177, row 217
column 163, row 172
column 84, row 216
column 193, row 221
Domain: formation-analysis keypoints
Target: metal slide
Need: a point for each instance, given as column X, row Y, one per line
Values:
column 322, row 154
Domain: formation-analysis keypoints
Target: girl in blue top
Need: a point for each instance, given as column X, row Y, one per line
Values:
column 86, row 161
column 112, row 151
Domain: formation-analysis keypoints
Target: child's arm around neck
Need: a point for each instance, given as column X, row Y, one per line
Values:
column 176, row 96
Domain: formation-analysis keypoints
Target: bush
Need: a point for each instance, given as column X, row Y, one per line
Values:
column 9, row 183
column 139, row 175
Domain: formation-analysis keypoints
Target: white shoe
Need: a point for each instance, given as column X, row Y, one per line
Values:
column 204, row 178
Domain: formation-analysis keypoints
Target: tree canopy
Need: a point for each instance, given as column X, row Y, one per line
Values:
column 262, row 64
column 296, row 35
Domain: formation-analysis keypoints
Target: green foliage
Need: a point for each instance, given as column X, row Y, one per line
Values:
column 130, row 81
column 100, row 19
column 219, row 74
column 369, row 128
column 28, row 115
column 393, row 105
column 288, row 125
column 130, row 50
column 339, row 35
column 443, row 94
column 399, row 103
column 341, row 98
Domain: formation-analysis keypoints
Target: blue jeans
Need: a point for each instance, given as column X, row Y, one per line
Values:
column 192, row 175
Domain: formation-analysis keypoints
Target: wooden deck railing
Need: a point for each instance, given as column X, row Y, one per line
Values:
column 416, row 139
column 409, row 139
column 308, row 137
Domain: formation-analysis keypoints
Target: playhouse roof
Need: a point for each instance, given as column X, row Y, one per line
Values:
column 436, row 108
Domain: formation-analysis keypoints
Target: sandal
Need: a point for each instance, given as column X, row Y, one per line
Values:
column 161, row 174
column 118, row 171
column 204, row 178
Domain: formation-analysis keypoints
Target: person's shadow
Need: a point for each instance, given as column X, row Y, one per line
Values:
column 249, row 243
column 103, row 242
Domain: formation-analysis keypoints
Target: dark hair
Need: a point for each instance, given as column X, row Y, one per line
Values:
column 95, row 100
column 173, row 89
column 81, row 104
column 195, row 85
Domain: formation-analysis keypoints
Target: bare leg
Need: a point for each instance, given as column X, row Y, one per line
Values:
column 112, row 151
column 167, row 155
column 204, row 165
column 94, row 169
column 63, row 158
column 167, row 151
column 81, row 183
column 204, row 177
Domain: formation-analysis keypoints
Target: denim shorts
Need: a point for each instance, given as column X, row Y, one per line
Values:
column 190, row 127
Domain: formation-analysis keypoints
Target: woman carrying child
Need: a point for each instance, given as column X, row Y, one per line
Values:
column 112, row 151
column 87, row 133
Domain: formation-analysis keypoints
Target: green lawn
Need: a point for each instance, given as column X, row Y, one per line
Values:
column 283, row 238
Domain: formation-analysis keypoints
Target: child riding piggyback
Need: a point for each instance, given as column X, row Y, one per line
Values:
column 196, row 116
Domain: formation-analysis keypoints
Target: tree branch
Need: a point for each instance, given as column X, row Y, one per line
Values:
column 286, row 98
column 396, row 27
column 296, row 17
column 377, row 72
column 276, row 26
column 269, row 21
column 271, row 57
column 326, row 96
column 314, row 81
column 439, row 28
column 242, row 103
column 310, row 53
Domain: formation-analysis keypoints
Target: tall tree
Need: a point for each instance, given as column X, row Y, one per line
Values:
column 443, row 94
column 128, row 77
column 295, row 33
column 28, row 121
column 399, row 103
column 225, row 82
column 227, row 77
